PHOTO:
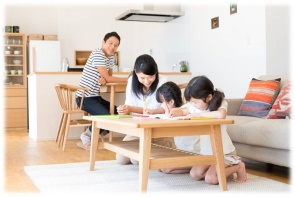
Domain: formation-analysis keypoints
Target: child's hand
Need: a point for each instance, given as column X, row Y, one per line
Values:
column 175, row 112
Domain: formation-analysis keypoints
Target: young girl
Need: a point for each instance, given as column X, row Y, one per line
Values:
column 140, row 94
column 204, row 101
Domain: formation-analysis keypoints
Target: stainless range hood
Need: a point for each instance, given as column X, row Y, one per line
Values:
column 149, row 16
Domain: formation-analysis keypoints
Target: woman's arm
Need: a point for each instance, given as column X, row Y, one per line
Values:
column 127, row 109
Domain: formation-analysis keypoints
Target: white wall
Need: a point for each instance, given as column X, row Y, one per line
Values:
column 278, row 36
column 230, row 55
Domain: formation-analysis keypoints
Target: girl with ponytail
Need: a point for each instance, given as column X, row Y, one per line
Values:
column 203, row 101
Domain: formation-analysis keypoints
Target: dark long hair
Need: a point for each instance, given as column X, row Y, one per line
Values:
column 144, row 64
column 199, row 88
column 170, row 91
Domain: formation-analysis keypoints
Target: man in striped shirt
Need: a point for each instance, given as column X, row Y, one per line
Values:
column 98, row 71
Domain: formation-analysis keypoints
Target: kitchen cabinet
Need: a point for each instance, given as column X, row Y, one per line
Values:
column 15, row 80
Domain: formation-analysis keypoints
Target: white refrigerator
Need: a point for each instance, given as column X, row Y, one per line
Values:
column 44, row 56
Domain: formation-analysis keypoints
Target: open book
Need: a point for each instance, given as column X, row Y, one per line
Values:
column 115, row 116
column 164, row 116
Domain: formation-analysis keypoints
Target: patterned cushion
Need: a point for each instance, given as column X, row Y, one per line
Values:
column 259, row 98
column 282, row 106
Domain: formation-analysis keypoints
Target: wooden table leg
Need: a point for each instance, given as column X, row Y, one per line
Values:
column 112, row 109
column 144, row 158
column 217, row 148
column 94, row 144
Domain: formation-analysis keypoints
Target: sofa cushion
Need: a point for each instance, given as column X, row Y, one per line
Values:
column 259, row 98
column 281, row 108
column 272, row 133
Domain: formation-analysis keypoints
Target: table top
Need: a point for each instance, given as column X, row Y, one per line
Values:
column 156, row 123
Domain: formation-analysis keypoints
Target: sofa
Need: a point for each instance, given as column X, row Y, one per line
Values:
column 260, row 139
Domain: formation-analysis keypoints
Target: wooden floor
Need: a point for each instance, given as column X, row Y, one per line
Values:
column 22, row 151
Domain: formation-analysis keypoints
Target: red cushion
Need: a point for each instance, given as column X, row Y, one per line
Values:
column 282, row 105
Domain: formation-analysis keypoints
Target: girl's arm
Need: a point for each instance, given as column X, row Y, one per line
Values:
column 178, row 112
column 219, row 114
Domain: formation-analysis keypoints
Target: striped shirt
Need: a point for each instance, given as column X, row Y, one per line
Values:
column 90, row 74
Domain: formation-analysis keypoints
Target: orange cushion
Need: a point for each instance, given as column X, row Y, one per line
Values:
column 259, row 98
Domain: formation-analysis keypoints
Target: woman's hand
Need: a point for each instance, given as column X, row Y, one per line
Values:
column 124, row 109
column 102, row 81
column 146, row 111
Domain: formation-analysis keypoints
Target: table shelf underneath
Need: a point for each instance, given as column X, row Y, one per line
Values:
column 161, row 156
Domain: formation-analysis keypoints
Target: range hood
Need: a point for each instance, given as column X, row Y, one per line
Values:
column 149, row 16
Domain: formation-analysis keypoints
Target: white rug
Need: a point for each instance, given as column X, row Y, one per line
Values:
column 109, row 176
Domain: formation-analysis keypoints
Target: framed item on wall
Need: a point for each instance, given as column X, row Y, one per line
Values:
column 233, row 8
column 214, row 22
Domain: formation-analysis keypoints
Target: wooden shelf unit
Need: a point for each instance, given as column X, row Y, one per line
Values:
column 15, row 82
column 86, row 53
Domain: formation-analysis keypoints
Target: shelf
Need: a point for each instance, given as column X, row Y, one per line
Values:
column 86, row 53
column 15, row 85
column 15, row 42
column 13, row 45
column 12, row 55
column 14, row 65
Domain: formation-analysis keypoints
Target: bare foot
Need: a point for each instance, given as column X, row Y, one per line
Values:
column 230, row 178
column 242, row 175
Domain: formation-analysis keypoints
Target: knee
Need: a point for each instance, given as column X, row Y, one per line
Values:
column 196, row 175
column 212, row 180
column 122, row 159
column 134, row 162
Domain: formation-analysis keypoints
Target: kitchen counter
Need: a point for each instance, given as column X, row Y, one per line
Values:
column 115, row 73
column 44, row 108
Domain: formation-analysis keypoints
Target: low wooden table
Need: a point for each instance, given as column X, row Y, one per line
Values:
column 153, row 156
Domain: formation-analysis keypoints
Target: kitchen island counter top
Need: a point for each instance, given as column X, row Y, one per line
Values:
column 114, row 73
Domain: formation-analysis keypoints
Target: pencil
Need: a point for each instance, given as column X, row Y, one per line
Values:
column 144, row 100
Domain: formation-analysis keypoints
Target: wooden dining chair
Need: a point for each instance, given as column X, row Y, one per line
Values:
column 67, row 98
column 182, row 87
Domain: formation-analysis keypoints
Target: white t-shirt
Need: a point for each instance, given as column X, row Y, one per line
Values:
column 151, row 101
column 189, row 143
column 201, row 144
column 133, row 100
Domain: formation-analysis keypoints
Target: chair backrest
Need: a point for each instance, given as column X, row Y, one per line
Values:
column 67, row 96
column 182, row 87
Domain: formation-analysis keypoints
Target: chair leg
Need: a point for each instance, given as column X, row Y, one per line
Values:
column 59, row 128
column 66, row 132
column 110, row 136
column 63, row 127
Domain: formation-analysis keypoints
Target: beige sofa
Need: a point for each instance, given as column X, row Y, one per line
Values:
column 260, row 139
